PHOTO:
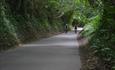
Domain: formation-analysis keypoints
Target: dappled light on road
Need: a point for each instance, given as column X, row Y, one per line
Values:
column 64, row 40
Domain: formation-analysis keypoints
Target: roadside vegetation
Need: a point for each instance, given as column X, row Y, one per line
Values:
column 99, row 29
column 26, row 20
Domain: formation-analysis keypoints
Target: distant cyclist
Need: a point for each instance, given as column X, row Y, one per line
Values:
column 75, row 28
column 66, row 28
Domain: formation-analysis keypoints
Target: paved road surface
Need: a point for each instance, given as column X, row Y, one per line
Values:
column 59, row 52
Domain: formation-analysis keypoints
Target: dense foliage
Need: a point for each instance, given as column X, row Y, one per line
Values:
column 99, row 29
column 25, row 20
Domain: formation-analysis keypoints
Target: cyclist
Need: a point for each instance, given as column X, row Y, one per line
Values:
column 66, row 28
column 75, row 28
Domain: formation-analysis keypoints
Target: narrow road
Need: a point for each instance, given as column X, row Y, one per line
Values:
column 59, row 52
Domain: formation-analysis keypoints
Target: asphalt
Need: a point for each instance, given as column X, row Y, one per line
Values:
column 59, row 52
